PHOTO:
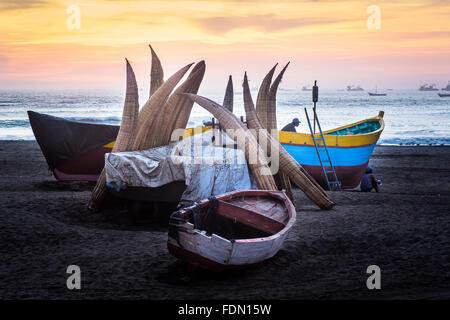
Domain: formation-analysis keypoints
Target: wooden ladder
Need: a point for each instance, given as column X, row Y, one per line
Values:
column 333, row 183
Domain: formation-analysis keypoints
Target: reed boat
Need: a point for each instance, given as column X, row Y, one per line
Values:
column 233, row 230
column 350, row 148
column 75, row 150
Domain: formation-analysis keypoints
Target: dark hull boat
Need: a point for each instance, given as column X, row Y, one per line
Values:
column 74, row 150
column 443, row 95
column 234, row 230
column 377, row 94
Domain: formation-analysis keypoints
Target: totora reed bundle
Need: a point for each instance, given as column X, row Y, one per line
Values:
column 156, row 73
column 287, row 164
column 142, row 129
column 152, row 109
column 244, row 139
column 125, row 136
column 228, row 99
column 281, row 179
column 262, row 101
column 180, row 108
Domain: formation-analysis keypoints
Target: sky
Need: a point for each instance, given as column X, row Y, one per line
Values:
column 391, row 44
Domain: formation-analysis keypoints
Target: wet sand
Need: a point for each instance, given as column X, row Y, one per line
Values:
column 404, row 229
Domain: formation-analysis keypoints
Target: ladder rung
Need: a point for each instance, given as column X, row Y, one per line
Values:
column 331, row 171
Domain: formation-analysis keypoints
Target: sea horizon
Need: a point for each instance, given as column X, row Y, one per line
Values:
column 412, row 117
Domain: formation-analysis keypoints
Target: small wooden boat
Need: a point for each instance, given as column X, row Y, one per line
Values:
column 237, row 229
column 350, row 148
column 443, row 95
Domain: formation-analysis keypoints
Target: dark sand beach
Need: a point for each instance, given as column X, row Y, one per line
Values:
column 404, row 229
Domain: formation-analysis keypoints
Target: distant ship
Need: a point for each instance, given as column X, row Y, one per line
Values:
column 426, row 87
column 376, row 94
column 353, row 88
column 447, row 88
column 305, row 88
column 442, row 95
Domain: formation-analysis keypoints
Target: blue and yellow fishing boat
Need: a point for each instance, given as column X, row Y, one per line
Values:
column 350, row 148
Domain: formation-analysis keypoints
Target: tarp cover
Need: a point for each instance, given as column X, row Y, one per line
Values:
column 62, row 140
column 207, row 169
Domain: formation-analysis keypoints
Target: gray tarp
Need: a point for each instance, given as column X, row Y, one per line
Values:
column 207, row 169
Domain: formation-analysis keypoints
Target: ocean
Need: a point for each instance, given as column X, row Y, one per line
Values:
column 412, row 117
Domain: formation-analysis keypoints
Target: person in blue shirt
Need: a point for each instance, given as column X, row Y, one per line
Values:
column 290, row 127
column 369, row 182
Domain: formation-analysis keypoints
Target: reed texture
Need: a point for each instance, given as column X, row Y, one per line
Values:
column 125, row 136
column 287, row 164
column 246, row 141
column 229, row 95
column 156, row 73
column 153, row 109
column 262, row 101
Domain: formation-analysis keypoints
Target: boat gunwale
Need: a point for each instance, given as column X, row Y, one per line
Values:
column 300, row 139
column 229, row 195
column 378, row 118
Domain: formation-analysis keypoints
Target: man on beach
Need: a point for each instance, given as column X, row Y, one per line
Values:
column 290, row 127
column 368, row 181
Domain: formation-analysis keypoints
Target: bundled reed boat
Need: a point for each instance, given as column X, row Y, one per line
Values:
column 350, row 149
column 236, row 229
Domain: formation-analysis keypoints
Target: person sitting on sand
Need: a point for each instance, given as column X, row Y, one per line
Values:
column 290, row 127
column 369, row 181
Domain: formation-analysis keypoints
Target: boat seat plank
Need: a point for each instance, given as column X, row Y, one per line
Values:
column 273, row 210
column 249, row 217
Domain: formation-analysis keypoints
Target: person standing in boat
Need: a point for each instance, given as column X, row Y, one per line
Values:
column 290, row 127
column 369, row 181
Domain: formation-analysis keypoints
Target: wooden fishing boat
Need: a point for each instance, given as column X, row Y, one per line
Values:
column 74, row 150
column 237, row 229
column 350, row 148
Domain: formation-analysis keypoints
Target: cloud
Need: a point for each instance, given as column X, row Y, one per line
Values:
column 266, row 22
column 7, row 5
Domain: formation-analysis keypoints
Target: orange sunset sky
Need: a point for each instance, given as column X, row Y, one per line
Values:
column 324, row 40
